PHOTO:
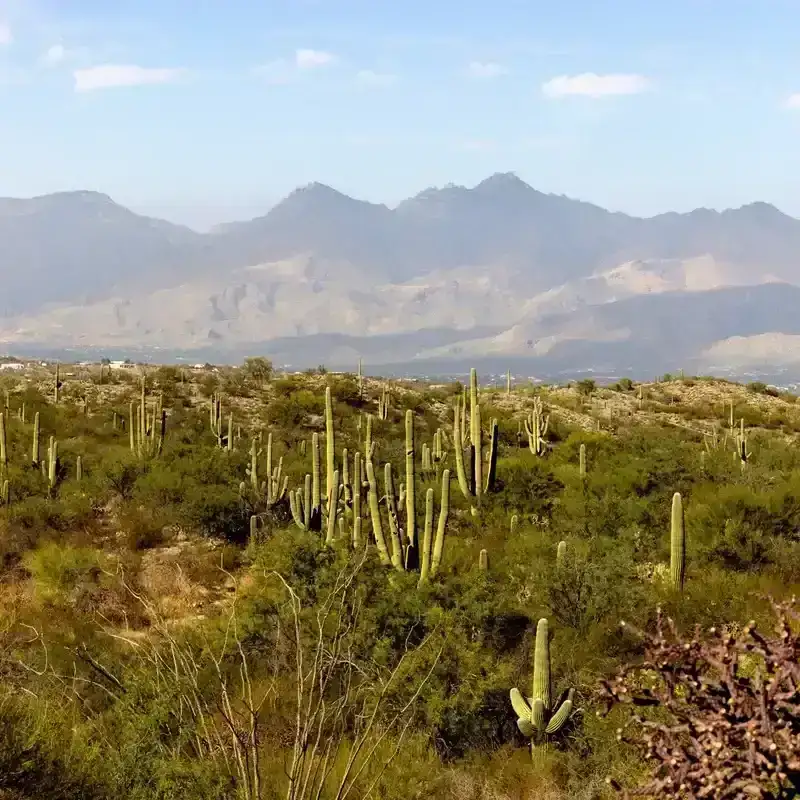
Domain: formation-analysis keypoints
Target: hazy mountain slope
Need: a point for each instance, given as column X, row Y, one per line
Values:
column 77, row 244
column 298, row 297
column 317, row 220
column 551, row 274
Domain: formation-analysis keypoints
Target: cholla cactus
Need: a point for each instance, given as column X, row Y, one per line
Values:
column 536, row 718
column 726, row 706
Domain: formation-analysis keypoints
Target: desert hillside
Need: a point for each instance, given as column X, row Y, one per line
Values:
column 239, row 583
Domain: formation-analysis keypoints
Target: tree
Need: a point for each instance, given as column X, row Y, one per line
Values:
column 258, row 368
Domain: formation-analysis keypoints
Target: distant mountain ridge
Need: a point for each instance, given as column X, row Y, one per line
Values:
column 515, row 272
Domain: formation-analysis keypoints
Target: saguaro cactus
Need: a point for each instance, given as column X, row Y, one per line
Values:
column 677, row 543
column 536, row 424
column 534, row 716
column 383, row 404
column 375, row 514
column 330, row 451
column 52, row 464
column 432, row 549
column 35, row 445
column 3, row 442
column 582, row 461
column 411, row 496
column 470, row 478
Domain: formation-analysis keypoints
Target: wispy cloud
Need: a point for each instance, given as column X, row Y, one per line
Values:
column 486, row 69
column 5, row 34
column 109, row 76
column 366, row 77
column 54, row 55
column 793, row 102
column 588, row 84
column 310, row 59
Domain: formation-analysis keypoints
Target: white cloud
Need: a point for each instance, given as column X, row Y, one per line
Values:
column 309, row 59
column 486, row 69
column 588, row 84
column 107, row 76
column 54, row 55
column 369, row 78
column 5, row 34
column 793, row 101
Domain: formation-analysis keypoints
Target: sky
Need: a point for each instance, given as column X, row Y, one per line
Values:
column 205, row 111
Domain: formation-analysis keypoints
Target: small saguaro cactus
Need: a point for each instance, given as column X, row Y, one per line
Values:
column 483, row 560
column 677, row 543
column 561, row 553
column 536, row 425
column 535, row 716
column 35, row 446
column 582, row 461
column 432, row 548
column 3, row 445
column 215, row 419
column 52, row 463
column 383, row 404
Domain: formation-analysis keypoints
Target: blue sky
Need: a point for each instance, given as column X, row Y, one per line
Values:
column 203, row 111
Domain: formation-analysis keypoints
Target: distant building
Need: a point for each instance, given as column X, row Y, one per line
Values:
column 121, row 365
column 12, row 365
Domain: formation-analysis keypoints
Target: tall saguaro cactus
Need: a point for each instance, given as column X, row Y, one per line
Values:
column 330, row 450
column 536, row 717
column 411, row 495
column 677, row 543
column 470, row 477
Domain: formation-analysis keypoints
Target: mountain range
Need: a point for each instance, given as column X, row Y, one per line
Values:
column 499, row 275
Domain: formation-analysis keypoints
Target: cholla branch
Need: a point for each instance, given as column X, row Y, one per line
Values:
column 718, row 715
